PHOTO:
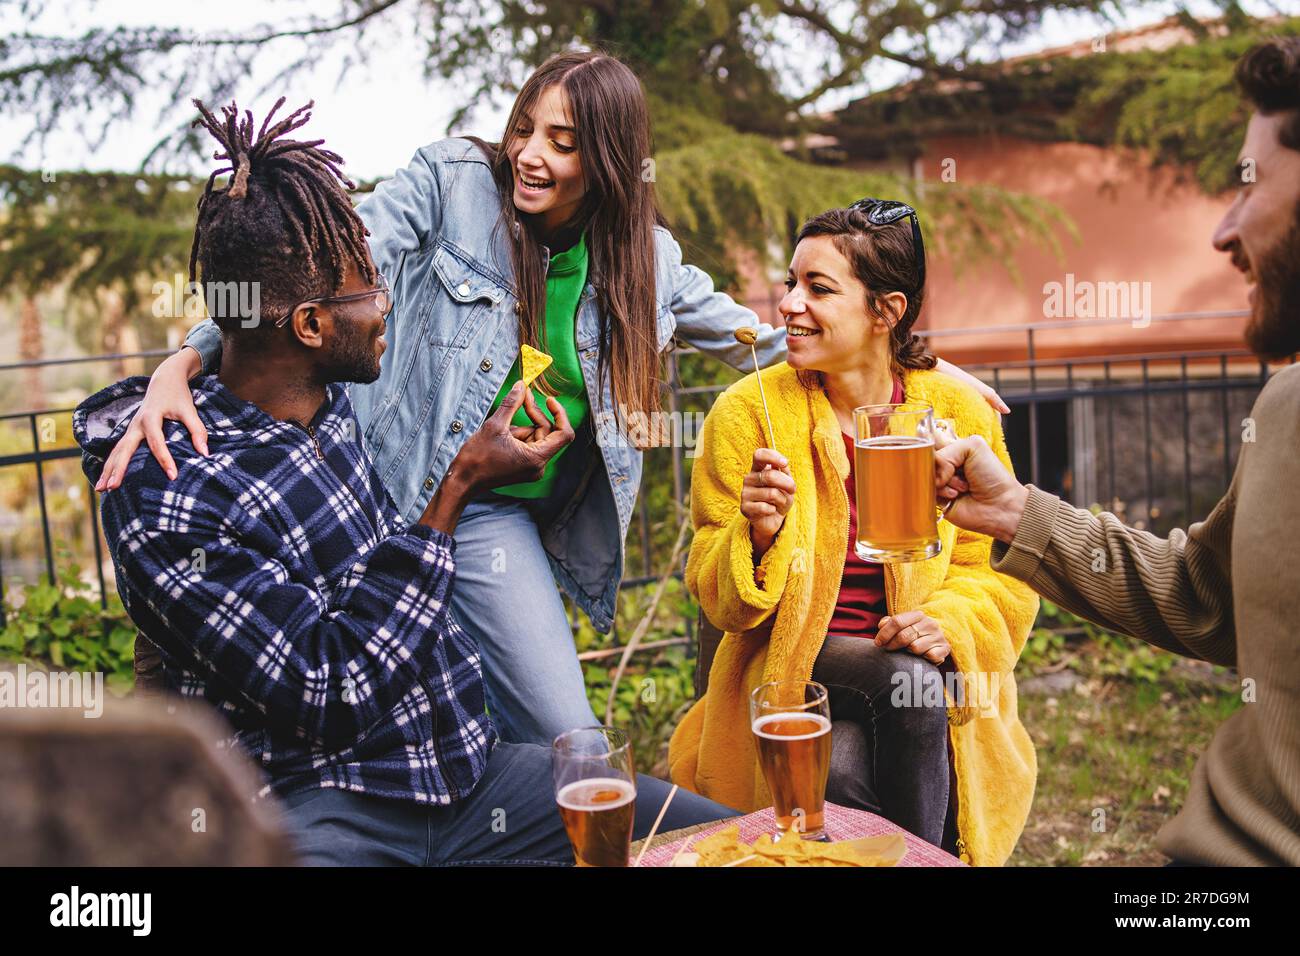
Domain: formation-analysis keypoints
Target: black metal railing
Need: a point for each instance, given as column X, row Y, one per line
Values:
column 1135, row 427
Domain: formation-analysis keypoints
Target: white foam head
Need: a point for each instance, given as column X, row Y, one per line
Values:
column 577, row 795
column 894, row 442
column 823, row 725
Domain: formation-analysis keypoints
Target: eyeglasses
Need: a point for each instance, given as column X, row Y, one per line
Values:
column 382, row 297
column 881, row 212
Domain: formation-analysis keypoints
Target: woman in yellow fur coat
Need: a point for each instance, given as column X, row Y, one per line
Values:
column 772, row 566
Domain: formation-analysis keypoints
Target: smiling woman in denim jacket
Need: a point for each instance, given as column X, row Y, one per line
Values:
column 553, row 239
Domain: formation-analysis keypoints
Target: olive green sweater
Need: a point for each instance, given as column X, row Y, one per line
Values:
column 1226, row 591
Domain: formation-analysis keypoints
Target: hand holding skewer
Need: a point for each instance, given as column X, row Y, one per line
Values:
column 766, row 495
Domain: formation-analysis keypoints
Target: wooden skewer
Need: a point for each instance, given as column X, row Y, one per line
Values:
column 682, row 849
column 654, row 829
column 748, row 335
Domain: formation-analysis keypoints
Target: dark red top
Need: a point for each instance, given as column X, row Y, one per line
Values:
column 861, row 603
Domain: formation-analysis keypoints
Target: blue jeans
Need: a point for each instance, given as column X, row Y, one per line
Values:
column 509, row 819
column 507, row 600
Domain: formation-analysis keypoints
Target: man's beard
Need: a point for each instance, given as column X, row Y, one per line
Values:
column 1274, row 329
column 352, row 358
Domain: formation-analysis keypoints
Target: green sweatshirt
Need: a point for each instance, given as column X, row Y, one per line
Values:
column 565, row 280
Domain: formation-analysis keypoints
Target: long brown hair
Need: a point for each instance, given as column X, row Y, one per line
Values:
column 883, row 259
column 618, row 213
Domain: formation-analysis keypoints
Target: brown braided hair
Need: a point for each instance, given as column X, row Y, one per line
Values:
column 883, row 259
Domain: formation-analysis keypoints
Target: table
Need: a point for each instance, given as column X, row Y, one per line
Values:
column 842, row 823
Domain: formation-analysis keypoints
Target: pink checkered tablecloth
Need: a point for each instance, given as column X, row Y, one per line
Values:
column 841, row 824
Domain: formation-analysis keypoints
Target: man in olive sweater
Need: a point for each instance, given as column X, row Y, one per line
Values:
column 1228, row 589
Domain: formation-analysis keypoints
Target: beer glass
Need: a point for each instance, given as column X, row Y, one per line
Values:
column 893, row 475
column 595, row 787
column 791, row 720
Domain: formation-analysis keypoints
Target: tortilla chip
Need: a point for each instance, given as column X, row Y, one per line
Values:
column 885, row 850
column 726, row 848
column 532, row 363
column 721, row 848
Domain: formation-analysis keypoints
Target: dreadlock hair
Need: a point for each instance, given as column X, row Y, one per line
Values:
column 283, row 221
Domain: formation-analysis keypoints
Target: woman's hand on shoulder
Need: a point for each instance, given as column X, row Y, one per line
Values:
column 985, row 392
column 168, row 398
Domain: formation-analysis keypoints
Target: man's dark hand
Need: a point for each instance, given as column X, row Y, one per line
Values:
column 499, row 454
column 502, row 454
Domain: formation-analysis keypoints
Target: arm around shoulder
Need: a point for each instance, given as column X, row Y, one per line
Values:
column 707, row 319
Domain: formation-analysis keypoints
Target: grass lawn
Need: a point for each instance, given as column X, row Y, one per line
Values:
column 1115, row 754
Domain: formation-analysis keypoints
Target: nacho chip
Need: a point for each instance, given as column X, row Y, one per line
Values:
column 885, row 850
column 721, row 848
column 726, row 848
column 532, row 363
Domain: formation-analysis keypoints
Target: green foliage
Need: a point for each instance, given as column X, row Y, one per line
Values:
column 1130, row 658
column 657, row 688
column 716, row 203
column 753, row 65
column 649, row 703
column 94, row 230
column 1059, row 638
column 62, row 626
column 725, row 79
column 1043, row 648
column 1178, row 106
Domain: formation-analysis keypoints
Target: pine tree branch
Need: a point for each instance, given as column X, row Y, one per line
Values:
column 177, row 39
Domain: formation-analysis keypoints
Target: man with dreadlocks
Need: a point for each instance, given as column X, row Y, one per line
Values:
column 273, row 571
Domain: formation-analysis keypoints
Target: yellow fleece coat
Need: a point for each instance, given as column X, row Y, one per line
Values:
column 775, row 616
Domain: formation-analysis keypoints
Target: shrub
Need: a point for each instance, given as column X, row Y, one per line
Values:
column 63, row 626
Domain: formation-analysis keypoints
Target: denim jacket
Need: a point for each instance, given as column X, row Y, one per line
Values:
column 436, row 234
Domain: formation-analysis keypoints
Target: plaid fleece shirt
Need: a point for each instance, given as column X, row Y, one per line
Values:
column 278, row 580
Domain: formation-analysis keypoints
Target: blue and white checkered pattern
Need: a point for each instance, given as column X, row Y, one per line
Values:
column 283, row 589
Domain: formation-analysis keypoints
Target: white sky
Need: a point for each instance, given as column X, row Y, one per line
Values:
column 385, row 110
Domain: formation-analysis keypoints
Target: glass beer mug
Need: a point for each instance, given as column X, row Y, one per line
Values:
column 893, row 477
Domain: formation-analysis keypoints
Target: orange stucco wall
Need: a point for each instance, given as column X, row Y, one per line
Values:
column 1134, row 224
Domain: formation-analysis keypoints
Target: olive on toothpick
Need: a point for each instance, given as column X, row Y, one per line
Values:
column 748, row 335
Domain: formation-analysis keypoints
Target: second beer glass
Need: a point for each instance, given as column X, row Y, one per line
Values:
column 791, row 720
column 595, row 787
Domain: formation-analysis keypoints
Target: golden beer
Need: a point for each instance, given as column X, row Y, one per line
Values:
column 794, row 750
column 598, row 813
column 893, row 477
